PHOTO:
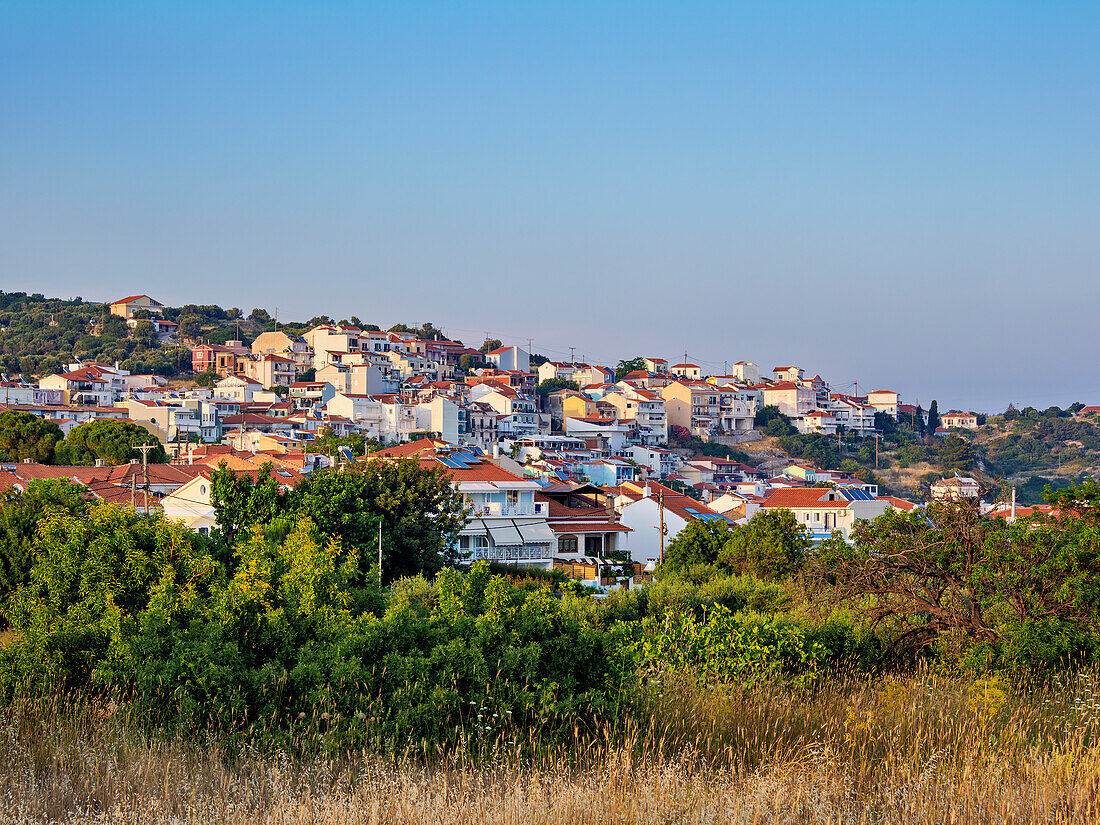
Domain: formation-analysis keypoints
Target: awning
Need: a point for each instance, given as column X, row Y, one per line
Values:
column 537, row 533
column 505, row 535
column 477, row 487
column 476, row 527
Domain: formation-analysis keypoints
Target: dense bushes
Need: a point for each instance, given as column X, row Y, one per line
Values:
column 279, row 637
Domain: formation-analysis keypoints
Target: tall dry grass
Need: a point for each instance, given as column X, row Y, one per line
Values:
column 907, row 750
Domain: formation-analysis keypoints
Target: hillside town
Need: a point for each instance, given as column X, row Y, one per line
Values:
column 563, row 465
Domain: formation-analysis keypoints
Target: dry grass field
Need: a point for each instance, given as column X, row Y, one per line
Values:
column 919, row 750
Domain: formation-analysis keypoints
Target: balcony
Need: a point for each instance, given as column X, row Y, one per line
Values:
column 494, row 509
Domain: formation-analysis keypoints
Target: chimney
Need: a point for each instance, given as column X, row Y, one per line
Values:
column 134, row 461
column 28, row 461
column 646, row 492
column 99, row 462
column 496, row 449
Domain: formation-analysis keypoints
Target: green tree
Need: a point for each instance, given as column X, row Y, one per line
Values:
column 933, row 416
column 108, row 439
column 490, row 345
column 554, row 384
column 242, row 500
column 1024, row 595
column 95, row 573
column 699, row 542
column 420, row 512
column 956, row 454
column 770, row 545
column 23, row 435
column 260, row 316
column 626, row 367
column 20, row 515
column 470, row 362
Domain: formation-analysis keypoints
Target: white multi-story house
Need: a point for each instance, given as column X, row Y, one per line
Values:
column 288, row 346
column 794, row 374
column 746, row 371
column 660, row 462
column 509, row 358
column 518, row 413
column 852, row 414
column 885, row 401
column 557, row 369
column 329, row 341
column 793, row 400
column 822, row 510
column 816, row 421
column 506, row 523
column 364, row 411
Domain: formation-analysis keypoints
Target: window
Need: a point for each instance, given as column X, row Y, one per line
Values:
column 567, row 544
column 513, row 497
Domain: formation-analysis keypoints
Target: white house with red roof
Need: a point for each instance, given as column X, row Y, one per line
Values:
column 792, row 399
column 956, row 418
column 509, row 358
column 822, row 510
column 885, row 401
column 82, row 387
column 640, row 505
column 687, row 370
column 817, row 421
column 507, row 524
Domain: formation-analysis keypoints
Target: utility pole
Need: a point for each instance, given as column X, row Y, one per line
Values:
column 876, row 451
column 379, row 552
column 662, row 529
column 571, row 360
column 145, row 448
column 133, row 492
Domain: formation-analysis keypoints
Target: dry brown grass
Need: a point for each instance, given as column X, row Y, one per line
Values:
column 920, row 750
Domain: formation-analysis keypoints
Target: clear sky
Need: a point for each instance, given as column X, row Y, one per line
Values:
column 900, row 194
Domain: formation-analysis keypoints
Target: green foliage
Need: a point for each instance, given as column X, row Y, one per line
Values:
column 20, row 514
column 207, row 378
column 420, row 512
column 469, row 362
column 490, row 345
column 554, row 384
column 934, row 421
column 956, row 454
column 244, row 500
column 1025, row 595
column 813, row 448
column 766, row 415
column 23, row 435
column 771, row 545
column 108, row 439
column 699, row 542
column 728, row 647
column 34, row 346
column 626, row 367
column 96, row 575
column 885, row 423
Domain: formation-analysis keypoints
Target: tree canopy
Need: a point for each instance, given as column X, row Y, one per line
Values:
column 1026, row 593
column 24, row 435
column 626, row 367
column 108, row 439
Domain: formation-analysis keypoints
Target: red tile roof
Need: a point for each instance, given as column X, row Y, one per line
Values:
column 790, row 497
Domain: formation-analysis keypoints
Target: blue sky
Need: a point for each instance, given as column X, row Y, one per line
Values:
column 903, row 195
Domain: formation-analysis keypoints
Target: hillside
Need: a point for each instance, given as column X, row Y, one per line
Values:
column 1026, row 449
